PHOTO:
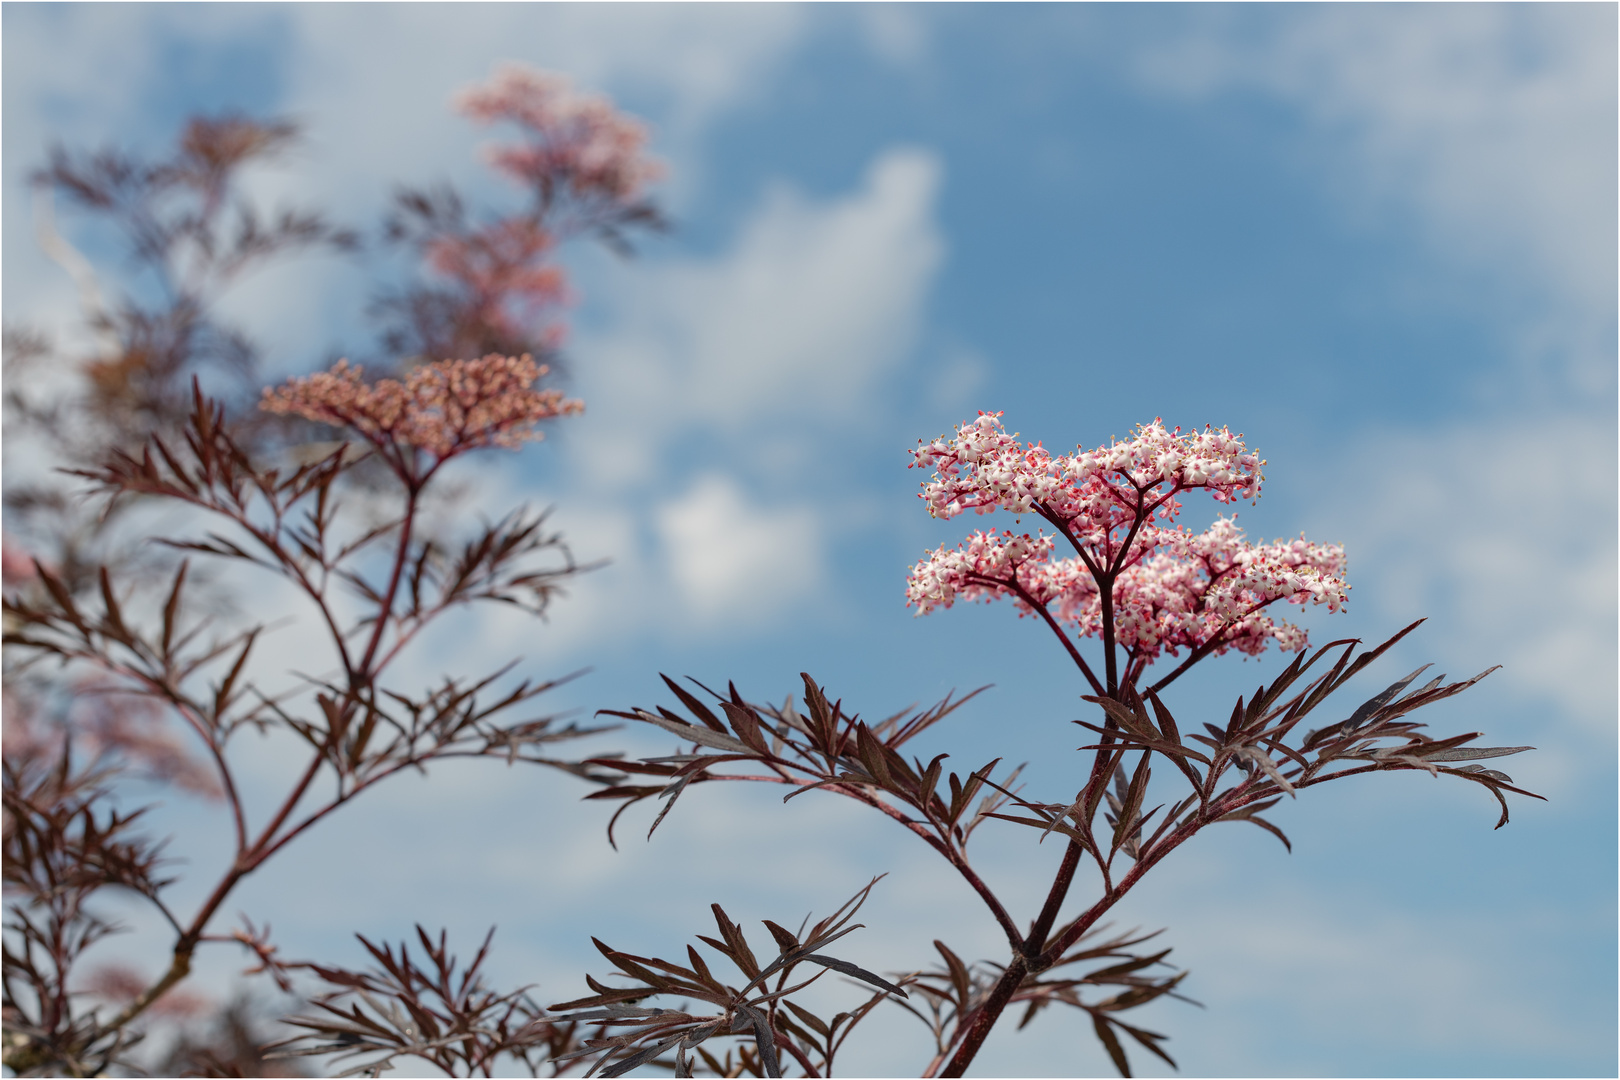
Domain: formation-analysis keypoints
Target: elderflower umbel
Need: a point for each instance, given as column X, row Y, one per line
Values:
column 1170, row 589
column 443, row 409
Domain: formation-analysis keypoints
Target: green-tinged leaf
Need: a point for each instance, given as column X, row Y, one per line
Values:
column 1469, row 754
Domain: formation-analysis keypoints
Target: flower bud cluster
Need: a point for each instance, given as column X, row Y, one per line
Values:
column 443, row 408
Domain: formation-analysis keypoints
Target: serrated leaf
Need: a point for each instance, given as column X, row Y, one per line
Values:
column 809, row 1019
column 784, row 937
column 746, row 725
column 847, row 968
column 959, row 974
column 697, row 708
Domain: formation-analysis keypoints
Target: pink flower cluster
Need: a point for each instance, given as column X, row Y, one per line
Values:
column 579, row 140
column 1197, row 588
column 983, row 468
column 973, row 569
column 442, row 408
column 1170, row 589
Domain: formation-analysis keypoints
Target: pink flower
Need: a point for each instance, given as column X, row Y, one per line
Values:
column 443, row 408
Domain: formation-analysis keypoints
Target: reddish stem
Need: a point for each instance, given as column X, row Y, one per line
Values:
column 985, row 1017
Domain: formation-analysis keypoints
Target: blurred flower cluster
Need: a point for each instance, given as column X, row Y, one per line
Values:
column 443, row 409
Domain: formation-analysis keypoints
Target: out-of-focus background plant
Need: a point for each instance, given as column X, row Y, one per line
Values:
column 1365, row 237
column 121, row 670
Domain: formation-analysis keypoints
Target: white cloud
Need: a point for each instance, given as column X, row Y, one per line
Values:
column 1306, row 959
column 372, row 86
column 728, row 558
column 758, row 356
column 380, row 80
column 798, row 322
column 1508, row 530
column 819, row 301
column 896, row 33
column 1495, row 123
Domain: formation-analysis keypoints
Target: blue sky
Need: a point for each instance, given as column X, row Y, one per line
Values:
column 1378, row 240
